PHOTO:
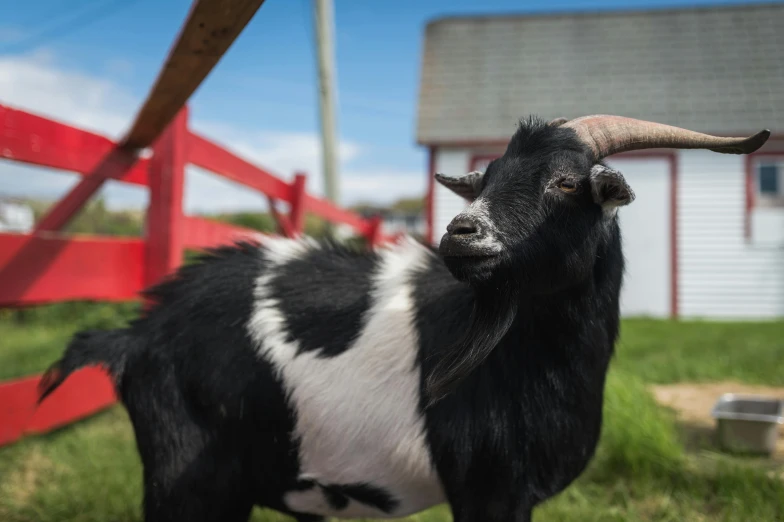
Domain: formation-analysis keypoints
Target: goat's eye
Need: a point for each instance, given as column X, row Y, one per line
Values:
column 567, row 185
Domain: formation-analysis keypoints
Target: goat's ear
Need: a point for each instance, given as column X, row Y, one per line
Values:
column 609, row 188
column 467, row 186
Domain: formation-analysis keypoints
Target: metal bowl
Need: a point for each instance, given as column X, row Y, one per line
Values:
column 748, row 423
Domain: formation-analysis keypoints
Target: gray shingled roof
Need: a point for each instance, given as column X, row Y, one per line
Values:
column 718, row 69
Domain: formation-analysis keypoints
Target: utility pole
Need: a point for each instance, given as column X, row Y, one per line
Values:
column 325, row 24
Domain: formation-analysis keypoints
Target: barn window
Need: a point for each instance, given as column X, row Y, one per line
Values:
column 770, row 183
column 769, row 180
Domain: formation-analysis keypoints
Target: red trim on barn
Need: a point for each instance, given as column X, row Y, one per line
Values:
column 477, row 159
column 748, row 185
column 671, row 157
column 674, row 265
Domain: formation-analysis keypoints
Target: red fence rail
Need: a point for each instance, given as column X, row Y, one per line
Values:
column 47, row 266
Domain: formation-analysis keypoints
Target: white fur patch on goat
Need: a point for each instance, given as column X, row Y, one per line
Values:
column 478, row 212
column 357, row 413
column 279, row 250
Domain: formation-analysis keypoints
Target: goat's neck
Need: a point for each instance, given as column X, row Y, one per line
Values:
column 590, row 303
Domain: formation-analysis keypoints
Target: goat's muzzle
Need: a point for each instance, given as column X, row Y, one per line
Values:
column 467, row 238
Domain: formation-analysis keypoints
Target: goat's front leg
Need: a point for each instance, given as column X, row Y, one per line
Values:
column 524, row 514
column 475, row 508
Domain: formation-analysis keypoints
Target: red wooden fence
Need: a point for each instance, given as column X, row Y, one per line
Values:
column 47, row 266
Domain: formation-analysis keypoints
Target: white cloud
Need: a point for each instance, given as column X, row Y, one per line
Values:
column 19, row 179
column 119, row 68
column 36, row 83
column 283, row 154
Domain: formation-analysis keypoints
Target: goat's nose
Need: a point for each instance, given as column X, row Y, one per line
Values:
column 462, row 227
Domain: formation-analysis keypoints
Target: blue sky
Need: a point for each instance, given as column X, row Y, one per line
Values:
column 91, row 62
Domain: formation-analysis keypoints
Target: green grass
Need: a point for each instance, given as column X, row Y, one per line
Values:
column 642, row 471
column 665, row 352
column 33, row 338
column 28, row 350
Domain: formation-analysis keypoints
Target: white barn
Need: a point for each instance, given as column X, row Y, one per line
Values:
column 705, row 236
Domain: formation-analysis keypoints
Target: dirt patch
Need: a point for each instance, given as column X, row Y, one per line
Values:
column 693, row 404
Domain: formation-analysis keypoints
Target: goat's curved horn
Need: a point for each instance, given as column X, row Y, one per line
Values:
column 607, row 135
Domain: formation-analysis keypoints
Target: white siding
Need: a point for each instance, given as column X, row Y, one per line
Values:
column 721, row 273
column 446, row 204
column 767, row 227
column 645, row 228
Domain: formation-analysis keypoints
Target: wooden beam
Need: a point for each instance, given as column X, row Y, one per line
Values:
column 209, row 30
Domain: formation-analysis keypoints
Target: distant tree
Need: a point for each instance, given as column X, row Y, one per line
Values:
column 405, row 205
column 264, row 222
column 261, row 221
column 409, row 205
column 315, row 226
column 366, row 208
column 96, row 219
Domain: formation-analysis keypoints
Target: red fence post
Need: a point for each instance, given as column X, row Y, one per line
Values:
column 164, row 225
column 283, row 226
column 297, row 214
column 374, row 232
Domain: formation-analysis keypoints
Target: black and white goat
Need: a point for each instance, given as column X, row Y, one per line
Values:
column 319, row 381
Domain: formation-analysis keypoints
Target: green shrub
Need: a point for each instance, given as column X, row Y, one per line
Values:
column 639, row 438
column 79, row 314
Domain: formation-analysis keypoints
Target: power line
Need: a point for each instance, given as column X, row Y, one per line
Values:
column 55, row 15
column 68, row 26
